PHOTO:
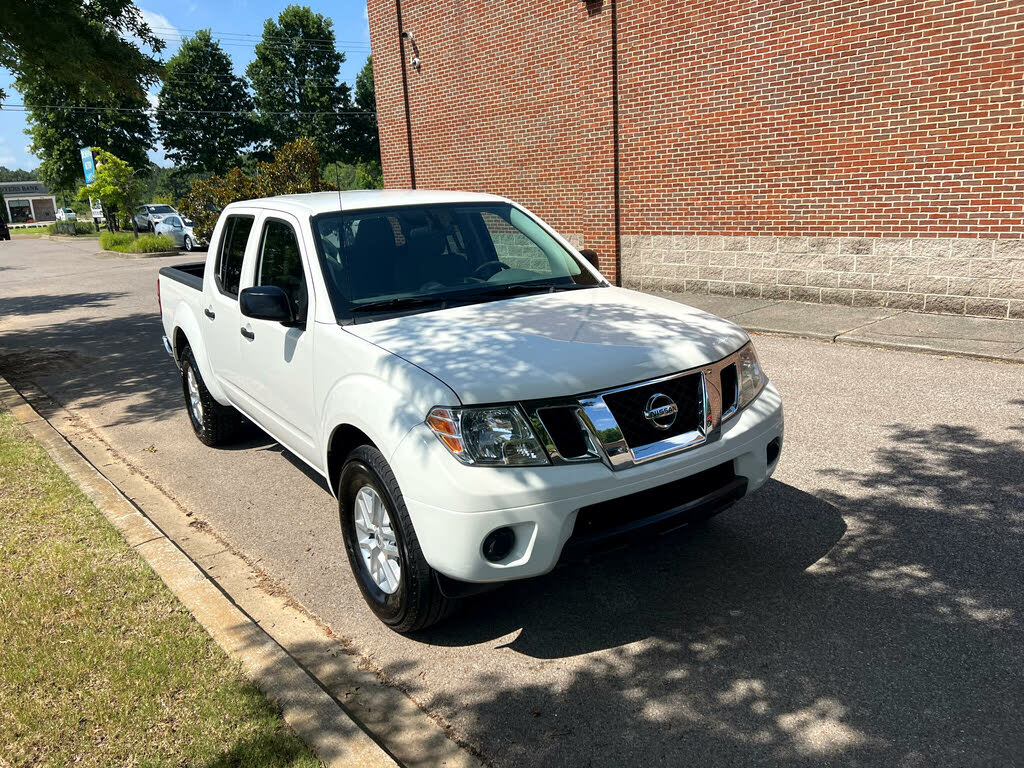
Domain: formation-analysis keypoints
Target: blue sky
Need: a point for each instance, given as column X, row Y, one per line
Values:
column 239, row 21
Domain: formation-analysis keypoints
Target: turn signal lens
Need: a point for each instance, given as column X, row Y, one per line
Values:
column 499, row 436
column 446, row 426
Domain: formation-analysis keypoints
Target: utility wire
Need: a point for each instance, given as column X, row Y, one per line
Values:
column 275, row 36
column 151, row 110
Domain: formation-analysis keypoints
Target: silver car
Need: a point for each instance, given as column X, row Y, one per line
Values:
column 179, row 229
column 149, row 215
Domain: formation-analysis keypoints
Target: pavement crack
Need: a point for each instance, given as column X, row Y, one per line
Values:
column 865, row 325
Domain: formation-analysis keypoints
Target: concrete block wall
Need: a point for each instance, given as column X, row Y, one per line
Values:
column 973, row 276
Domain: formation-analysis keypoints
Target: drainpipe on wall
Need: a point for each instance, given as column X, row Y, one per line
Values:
column 615, row 140
column 405, row 92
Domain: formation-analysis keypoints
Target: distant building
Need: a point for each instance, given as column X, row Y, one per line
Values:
column 28, row 201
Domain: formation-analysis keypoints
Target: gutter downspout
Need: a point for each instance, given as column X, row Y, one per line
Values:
column 405, row 91
column 615, row 141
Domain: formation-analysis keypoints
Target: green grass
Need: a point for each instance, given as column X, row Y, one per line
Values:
column 126, row 242
column 99, row 663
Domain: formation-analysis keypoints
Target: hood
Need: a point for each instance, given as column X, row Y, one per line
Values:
column 556, row 344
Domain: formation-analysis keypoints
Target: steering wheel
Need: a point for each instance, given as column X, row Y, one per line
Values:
column 495, row 266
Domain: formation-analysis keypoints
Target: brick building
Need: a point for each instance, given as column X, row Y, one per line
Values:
column 866, row 152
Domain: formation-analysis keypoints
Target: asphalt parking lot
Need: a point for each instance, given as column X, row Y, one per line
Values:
column 865, row 608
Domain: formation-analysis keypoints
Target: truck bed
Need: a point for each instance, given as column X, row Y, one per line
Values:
column 187, row 274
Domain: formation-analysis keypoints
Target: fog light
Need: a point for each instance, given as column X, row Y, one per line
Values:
column 774, row 447
column 498, row 544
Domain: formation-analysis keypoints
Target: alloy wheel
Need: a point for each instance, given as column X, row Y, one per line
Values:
column 377, row 542
column 195, row 402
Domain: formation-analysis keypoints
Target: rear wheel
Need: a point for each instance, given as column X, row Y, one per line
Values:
column 213, row 423
column 395, row 579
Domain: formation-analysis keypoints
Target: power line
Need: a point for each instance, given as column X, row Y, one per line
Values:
column 276, row 36
column 151, row 110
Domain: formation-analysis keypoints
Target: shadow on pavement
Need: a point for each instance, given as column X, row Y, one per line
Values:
column 780, row 634
column 96, row 361
column 44, row 304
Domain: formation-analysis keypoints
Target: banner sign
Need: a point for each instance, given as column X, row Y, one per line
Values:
column 88, row 166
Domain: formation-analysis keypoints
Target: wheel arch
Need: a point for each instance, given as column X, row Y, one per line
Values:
column 187, row 332
column 344, row 439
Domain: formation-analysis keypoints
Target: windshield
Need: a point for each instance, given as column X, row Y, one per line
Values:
column 160, row 209
column 418, row 258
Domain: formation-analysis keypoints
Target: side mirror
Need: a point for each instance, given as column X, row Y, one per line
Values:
column 266, row 302
column 590, row 256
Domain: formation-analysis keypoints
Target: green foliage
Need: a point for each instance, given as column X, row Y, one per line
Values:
column 295, row 168
column 81, row 227
column 59, row 134
column 125, row 242
column 6, row 174
column 84, row 45
column 361, row 175
column 116, row 184
column 362, row 142
column 296, row 71
column 199, row 77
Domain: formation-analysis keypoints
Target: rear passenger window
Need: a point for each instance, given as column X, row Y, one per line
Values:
column 232, row 252
column 280, row 264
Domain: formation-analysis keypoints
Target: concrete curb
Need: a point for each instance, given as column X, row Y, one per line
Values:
column 309, row 710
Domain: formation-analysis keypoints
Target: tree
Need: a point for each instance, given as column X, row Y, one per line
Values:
column 295, row 168
column 363, row 142
column 87, row 44
column 205, row 115
column 117, row 186
column 295, row 80
column 65, row 118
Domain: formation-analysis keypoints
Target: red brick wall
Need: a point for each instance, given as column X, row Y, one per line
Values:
column 739, row 118
column 511, row 98
column 822, row 117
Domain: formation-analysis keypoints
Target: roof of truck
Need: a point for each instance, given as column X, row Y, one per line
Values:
column 313, row 203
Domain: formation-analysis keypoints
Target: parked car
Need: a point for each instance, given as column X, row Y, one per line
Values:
column 147, row 216
column 66, row 214
column 482, row 402
column 5, row 232
column 181, row 230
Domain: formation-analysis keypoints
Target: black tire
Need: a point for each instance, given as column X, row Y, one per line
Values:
column 188, row 244
column 213, row 423
column 418, row 602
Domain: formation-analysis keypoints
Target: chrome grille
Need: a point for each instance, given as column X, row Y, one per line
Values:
column 611, row 425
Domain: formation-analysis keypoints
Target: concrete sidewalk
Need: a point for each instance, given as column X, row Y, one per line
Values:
column 980, row 337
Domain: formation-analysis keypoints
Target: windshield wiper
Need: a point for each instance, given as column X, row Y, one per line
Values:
column 402, row 302
column 514, row 288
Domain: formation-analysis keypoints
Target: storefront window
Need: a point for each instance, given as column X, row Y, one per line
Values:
column 21, row 210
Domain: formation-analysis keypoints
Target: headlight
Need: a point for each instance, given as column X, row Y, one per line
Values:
column 498, row 436
column 752, row 378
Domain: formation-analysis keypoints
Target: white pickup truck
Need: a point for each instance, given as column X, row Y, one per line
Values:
column 481, row 400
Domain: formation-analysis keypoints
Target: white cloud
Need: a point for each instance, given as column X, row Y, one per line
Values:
column 162, row 28
column 153, row 99
column 7, row 160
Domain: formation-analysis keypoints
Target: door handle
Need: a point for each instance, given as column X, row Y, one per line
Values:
column 248, row 334
column 209, row 313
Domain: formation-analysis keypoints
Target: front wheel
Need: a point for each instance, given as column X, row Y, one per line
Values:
column 395, row 579
column 188, row 244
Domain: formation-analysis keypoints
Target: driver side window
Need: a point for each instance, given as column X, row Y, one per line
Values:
column 280, row 264
column 513, row 247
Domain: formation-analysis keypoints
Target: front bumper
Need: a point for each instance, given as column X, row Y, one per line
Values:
column 453, row 507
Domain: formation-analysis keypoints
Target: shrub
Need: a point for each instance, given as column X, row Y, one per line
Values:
column 81, row 228
column 295, row 168
column 125, row 242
